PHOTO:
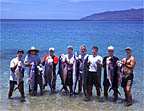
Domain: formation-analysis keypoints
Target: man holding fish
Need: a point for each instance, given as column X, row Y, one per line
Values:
column 50, row 61
column 127, row 79
column 110, row 73
column 94, row 75
column 81, row 59
column 69, row 62
column 32, row 61
column 17, row 74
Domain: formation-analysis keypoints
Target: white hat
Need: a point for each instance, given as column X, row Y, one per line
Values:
column 110, row 48
column 128, row 48
column 70, row 47
column 51, row 49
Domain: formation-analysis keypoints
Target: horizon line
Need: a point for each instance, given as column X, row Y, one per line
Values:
column 35, row 19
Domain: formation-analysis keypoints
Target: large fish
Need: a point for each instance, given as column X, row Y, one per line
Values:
column 110, row 74
column 48, row 73
column 32, row 77
column 75, row 72
column 99, row 67
column 63, row 69
column 120, row 72
column 19, row 74
column 85, row 76
column 110, row 70
column 40, row 79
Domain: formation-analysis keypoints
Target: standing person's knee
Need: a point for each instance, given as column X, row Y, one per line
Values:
column 128, row 88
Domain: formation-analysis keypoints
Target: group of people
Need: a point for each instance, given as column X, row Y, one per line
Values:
column 75, row 70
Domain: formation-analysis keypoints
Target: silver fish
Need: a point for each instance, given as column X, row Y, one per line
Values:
column 85, row 76
column 32, row 77
column 40, row 79
column 63, row 69
column 75, row 71
column 48, row 73
column 110, row 70
column 120, row 72
column 19, row 75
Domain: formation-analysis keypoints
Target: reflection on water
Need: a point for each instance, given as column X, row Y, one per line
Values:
column 61, row 102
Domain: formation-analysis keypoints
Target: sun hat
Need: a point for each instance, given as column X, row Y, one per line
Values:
column 33, row 49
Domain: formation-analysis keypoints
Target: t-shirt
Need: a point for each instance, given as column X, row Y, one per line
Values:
column 93, row 60
column 55, row 59
column 13, row 63
column 31, row 58
column 70, row 58
column 83, row 57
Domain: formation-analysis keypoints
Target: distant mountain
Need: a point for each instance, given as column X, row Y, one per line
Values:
column 132, row 14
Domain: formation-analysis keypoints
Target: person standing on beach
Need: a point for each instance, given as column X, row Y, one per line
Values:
column 81, row 59
column 31, row 58
column 94, row 75
column 69, row 62
column 55, row 62
column 114, row 69
column 14, row 65
column 127, row 79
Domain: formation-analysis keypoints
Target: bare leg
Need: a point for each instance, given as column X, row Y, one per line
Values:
column 71, row 90
column 80, row 86
column 129, row 95
column 90, row 91
column 11, row 91
column 125, row 94
column 98, row 91
column 115, row 94
column 21, row 89
column 106, row 92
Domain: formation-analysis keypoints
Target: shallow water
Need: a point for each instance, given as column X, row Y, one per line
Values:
column 59, row 34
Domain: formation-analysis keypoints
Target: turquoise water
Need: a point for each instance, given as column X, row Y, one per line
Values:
column 59, row 34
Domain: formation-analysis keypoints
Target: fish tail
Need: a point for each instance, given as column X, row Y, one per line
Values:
column 118, row 92
column 110, row 89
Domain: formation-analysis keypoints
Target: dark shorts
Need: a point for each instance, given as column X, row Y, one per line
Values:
column 127, row 80
column 69, row 79
column 93, row 79
column 14, row 82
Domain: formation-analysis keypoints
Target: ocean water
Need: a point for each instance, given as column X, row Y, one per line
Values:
column 59, row 34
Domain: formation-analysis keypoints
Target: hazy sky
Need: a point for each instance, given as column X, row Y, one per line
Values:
column 62, row 9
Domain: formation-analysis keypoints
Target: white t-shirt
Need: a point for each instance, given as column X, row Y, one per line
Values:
column 13, row 63
column 94, row 60
column 70, row 58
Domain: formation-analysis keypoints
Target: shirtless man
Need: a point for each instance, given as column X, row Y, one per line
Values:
column 127, row 80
